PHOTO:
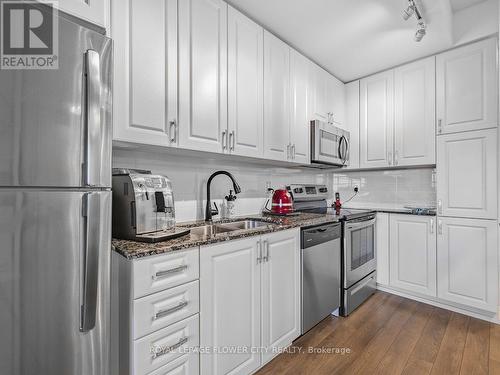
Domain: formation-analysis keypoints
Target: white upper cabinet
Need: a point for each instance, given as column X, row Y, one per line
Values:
column 202, row 74
column 467, row 174
column 145, row 71
column 301, row 103
column 352, row 122
column 320, row 93
column 466, row 88
column 414, row 127
column 245, row 85
column 328, row 97
column 276, row 98
column 413, row 253
column 468, row 262
column 230, row 287
column 96, row 12
column 280, row 291
column 376, row 120
column 336, row 101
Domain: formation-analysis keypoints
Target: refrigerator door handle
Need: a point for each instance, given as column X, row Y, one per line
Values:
column 92, row 119
column 91, row 213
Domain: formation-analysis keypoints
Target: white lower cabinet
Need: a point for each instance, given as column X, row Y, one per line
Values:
column 468, row 262
column 230, row 306
column 382, row 248
column 280, row 296
column 413, row 253
column 250, row 299
column 156, row 300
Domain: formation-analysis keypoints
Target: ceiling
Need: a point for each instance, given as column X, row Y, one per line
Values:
column 457, row 5
column 355, row 38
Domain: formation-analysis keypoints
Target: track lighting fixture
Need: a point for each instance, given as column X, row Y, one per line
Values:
column 420, row 33
column 413, row 10
column 408, row 12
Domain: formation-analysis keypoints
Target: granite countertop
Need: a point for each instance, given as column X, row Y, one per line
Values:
column 133, row 249
column 392, row 210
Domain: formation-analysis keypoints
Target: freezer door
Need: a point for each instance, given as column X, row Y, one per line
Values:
column 54, row 282
column 55, row 125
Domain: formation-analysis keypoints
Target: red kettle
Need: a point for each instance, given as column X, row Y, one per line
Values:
column 282, row 202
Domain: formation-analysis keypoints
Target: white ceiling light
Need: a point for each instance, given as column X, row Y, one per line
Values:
column 413, row 10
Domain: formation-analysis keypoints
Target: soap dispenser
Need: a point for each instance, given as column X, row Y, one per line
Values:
column 230, row 204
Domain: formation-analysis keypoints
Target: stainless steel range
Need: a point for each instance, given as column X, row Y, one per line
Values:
column 358, row 255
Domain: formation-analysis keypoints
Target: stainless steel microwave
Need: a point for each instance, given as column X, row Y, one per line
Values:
column 329, row 145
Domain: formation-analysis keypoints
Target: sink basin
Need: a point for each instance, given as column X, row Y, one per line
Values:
column 216, row 229
column 209, row 230
column 244, row 224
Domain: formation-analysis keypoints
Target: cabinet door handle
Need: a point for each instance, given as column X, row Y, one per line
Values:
column 231, row 141
column 440, row 126
column 389, row 158
column 293, row 151
column 224, row 139
column 440, row 207
column 265, row 258
column 288, row 151
column 440, row 227
column 173, row 131
column 162, row 313
column 432, row 226
column 168, row 349
column 165, row 273
column 259, row 251
column 396, row 156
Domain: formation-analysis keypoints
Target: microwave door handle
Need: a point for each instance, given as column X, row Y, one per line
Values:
column 347, row 150
column 343, row 153
column 92, row 140
column 91, row 214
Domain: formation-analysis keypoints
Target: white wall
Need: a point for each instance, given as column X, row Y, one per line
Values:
column 475, row 22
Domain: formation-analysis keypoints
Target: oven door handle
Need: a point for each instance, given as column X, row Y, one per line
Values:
column 361, row 224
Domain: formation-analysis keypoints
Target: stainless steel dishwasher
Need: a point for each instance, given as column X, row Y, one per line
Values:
column 320, row 273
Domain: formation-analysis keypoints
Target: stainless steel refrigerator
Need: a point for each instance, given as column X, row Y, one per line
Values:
column 55, row 210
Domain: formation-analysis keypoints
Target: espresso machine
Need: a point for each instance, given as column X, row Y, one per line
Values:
column 143, row 206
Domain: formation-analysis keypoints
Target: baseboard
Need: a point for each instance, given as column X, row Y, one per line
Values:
column 492, row 319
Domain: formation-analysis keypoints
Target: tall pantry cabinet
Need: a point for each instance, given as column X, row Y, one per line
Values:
column 467, row 165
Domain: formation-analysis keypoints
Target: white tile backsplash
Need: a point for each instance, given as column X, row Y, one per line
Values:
column 391, row 188
column 189, row 175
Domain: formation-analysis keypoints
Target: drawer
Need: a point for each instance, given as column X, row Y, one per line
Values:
column 160, row 348
column 161, row 309
column 156, row 273
column 188, row 364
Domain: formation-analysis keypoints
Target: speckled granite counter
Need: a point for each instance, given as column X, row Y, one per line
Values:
column 133, row 249
column 393, row 210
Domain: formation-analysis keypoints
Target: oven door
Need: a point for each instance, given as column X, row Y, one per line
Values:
column 359, row 250
column 329, row 144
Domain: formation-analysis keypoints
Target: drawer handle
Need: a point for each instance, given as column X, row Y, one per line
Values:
column 165, row 273
column 168, row 349
column 162, row 313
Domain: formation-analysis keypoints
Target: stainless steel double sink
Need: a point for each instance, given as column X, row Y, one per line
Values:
column 211, row 230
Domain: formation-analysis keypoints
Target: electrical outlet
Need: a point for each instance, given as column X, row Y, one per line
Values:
column 268, row 186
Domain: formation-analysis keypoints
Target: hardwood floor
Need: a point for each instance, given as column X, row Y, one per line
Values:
column 389, row 334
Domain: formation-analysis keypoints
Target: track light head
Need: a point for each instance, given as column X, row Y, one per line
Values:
column 408, row 12
column 421, row 31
